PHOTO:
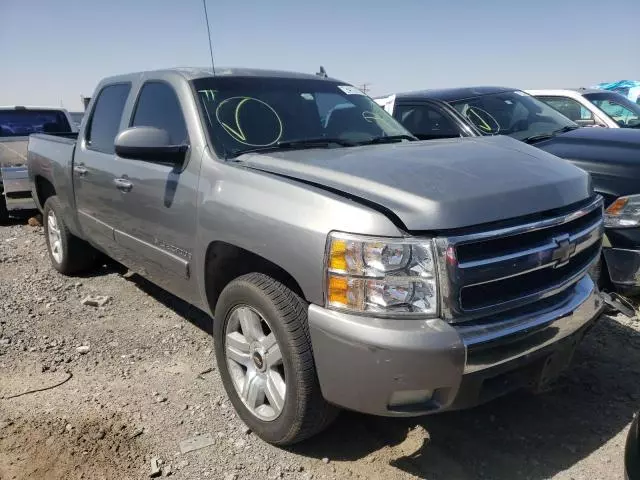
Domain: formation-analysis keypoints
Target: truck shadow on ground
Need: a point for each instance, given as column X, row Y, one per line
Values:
column 521, row 435
column 187, row 311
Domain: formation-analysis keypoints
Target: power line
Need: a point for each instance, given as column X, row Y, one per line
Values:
column 206, row 17
column 364, row 87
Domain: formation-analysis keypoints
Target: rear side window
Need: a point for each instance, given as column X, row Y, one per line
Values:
column 105, row 120
column 158, row 106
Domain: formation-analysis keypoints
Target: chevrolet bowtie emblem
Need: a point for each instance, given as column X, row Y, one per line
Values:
column 564, row 250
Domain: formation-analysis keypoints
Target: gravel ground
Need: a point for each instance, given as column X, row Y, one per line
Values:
column 139, row 381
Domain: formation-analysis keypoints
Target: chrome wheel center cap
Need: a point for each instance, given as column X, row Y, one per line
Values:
column 258, row 361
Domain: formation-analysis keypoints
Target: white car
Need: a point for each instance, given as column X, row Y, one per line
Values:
column 592, row 107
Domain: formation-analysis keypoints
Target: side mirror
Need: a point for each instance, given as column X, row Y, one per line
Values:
column 150, row 144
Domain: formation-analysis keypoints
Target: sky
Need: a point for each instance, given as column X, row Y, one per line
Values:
column 54, row 51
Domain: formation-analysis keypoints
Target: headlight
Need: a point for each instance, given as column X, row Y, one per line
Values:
column 381, row 276
column 623, row 213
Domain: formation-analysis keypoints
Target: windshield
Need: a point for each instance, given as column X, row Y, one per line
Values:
column 512, row 113
column 249, row 113
column 19, row 123
column 622, row 110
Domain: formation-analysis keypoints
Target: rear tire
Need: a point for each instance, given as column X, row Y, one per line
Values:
column 257, row 315
column 68, row 253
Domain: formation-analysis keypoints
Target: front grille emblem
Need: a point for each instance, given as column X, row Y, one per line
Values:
column 564, row 250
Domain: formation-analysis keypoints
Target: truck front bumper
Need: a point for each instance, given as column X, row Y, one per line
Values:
column 395, row 367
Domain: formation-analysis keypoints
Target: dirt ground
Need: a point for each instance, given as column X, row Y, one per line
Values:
column 139, row 381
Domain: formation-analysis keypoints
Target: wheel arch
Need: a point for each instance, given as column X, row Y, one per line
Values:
column 43, row 189
column 225, row 262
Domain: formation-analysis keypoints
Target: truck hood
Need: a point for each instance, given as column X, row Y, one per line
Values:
column 438, row 184
column 13, row 151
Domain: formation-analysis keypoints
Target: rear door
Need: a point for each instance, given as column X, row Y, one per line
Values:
column 157, row 221
column 98, row 201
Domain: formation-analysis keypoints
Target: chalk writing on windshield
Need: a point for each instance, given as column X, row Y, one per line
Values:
column 250, row 121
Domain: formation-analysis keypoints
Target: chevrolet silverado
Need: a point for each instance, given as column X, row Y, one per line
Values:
column 344, row 264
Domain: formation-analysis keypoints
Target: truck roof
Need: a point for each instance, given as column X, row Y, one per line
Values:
column 195, row 73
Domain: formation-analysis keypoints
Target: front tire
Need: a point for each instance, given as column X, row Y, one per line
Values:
column 68, row 253
column 263, row 351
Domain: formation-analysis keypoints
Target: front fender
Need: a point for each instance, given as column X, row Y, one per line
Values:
column 279, row 219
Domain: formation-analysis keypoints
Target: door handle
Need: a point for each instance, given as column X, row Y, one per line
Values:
column 123, row 184
column 80, row 170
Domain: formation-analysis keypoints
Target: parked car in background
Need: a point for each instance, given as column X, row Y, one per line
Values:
column 16, row 124
column 627, row 88
column 345, row 264
column 609, row 155
column 592, row 107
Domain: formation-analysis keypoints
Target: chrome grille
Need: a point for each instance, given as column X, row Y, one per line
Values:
column 510, row 266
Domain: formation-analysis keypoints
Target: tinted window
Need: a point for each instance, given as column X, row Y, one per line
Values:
column 18, row 123
column 158, row 107
column 619, row 108
column 105, row 120
column 426, row 121
column 569, row 107
column 513, row 113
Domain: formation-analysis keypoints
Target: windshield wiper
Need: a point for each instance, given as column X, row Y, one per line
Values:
column 388, row 139
column 545, row 136
column 299, row 144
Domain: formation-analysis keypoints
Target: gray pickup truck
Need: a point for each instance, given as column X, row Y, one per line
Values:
column 344, row 263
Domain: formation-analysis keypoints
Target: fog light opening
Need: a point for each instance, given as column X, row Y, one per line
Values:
column 406, row 398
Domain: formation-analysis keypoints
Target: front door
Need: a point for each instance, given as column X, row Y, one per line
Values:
column 157, row 224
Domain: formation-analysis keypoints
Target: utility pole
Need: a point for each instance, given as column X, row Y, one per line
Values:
column 364, row 87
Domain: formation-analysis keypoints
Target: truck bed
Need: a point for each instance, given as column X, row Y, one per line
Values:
column 51, row 155
column 54, row 148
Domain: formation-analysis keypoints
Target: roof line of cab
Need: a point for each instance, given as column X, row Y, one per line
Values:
column 197, row 73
